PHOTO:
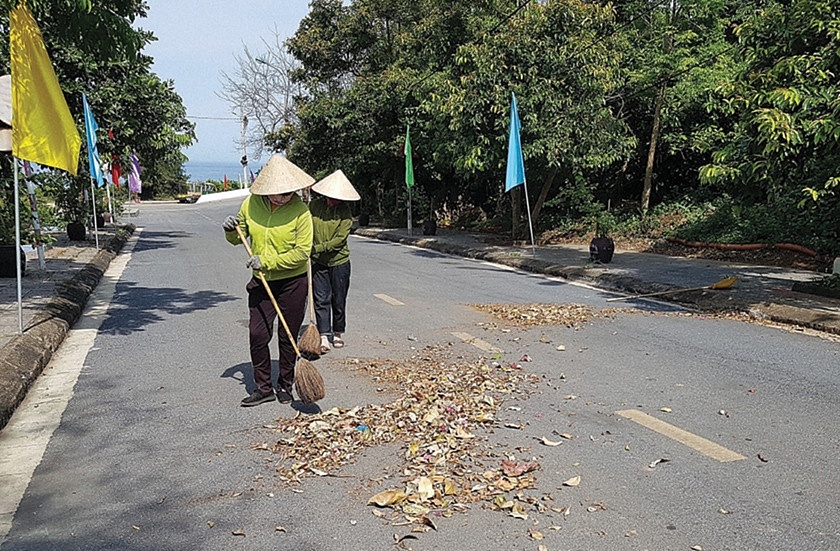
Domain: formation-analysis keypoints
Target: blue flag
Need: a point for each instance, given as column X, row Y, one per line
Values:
column 91, row 127
column 515, row 163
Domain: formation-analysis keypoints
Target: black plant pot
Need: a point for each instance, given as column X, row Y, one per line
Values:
column 7, row 260
column 364, row 219
column 429, row 227
column 601, row 250
column 76, row 231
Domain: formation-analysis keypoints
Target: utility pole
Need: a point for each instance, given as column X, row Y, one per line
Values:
column 244, row 160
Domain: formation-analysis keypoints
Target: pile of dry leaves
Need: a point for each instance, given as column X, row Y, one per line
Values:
column 574, row 316
column 444, row 401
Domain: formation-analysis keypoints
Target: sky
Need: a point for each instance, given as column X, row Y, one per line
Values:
column 200, row 39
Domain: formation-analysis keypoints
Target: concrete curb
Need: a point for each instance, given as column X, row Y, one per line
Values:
column 700, row 300
column 26, row 356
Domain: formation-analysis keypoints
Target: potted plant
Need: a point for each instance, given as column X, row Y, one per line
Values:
column 72, row 207
column 602, row 247
column 9, row 250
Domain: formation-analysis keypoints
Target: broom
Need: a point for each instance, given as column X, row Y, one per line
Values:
column 310, row 340
column 722, row 284
column 309, row 383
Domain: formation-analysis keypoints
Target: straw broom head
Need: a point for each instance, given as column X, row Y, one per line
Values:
column 310, row 342
column 308, row 382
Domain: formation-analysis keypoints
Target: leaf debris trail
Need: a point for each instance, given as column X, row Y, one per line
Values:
column 444, row 401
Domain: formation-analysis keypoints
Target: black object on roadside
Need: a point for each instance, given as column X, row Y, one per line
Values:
column 601, row 250
column 429, row 227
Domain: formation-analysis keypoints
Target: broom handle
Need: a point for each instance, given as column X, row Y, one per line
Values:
column 659, row 293
column 270, row 294
column 311, row 301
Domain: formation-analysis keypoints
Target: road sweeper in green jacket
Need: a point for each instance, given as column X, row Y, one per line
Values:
column 279, row 228
column 332, row 221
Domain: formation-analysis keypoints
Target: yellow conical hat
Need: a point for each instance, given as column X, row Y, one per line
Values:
column 280, row 175
column 337, row 186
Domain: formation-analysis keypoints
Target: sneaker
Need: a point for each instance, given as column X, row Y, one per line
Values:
column 338, row 342
column 284, row 396
column 256, row 399
column 325, row 344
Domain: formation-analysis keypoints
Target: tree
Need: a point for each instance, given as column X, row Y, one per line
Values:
column 677, row 53
column 786, row 141
column 371, row 67
column 561, row 59
column 95, row 49
column 263, row 90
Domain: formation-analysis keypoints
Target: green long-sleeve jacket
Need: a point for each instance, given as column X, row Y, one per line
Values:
column 331, row 227
column 282, row 238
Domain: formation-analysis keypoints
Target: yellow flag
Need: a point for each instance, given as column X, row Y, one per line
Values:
column 43, row 130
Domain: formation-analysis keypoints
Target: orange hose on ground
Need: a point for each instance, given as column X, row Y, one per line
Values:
column 749, row 247
column 743, row 247
column 797, row 248
column 721, row 246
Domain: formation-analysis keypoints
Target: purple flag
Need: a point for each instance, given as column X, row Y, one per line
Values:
column 134, row 184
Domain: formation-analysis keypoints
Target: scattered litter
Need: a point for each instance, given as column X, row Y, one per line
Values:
column 657, row 462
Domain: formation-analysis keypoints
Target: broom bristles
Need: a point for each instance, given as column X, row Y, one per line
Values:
column 310, row 342
column 308, row 381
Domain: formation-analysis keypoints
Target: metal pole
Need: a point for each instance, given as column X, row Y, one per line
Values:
column 93, row 203
column 244, row 151
column 17, row 251
column 409, row 211
column 108, row 195
column 36, row 223
column 530, row 224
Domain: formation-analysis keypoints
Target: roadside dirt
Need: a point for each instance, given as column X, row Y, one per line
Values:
column 770, row 256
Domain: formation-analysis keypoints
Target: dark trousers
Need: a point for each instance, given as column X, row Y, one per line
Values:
column 291, row 296
column 329, row 288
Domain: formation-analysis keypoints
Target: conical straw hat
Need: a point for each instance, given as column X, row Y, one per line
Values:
column 337, row 186
column 280, row 175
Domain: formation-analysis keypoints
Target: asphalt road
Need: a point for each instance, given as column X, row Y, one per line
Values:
column 152, row 450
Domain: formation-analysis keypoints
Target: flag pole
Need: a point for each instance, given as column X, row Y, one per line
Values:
column 36, row 224
column 93, row 204
column 36, row 219
column 17, row 250
column 530, row 224
column 409, row 211
column 108, row 195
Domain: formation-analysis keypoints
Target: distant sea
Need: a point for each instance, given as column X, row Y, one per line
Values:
column 198, row 171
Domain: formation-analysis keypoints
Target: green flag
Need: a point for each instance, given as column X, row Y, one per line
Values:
column 409, row 165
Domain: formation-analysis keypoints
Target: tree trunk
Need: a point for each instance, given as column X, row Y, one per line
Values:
column 654, row 138
column 668, row 48
column 516, row 209
column 543, row 196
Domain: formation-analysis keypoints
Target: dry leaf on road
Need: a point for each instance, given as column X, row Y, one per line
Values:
column 574, row 481
column 387, row 498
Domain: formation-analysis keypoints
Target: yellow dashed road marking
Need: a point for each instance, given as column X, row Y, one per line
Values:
column 478, row 343
column 698, row 443
column 390, row 300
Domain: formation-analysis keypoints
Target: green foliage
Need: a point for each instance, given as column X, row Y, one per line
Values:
column 677, row 53
column 787, row 102
column 371, row 67
column 745, row 91
column 46, row 209
column 828, row 282
column 728, row 220
column 7, row 214
column 95, row 48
